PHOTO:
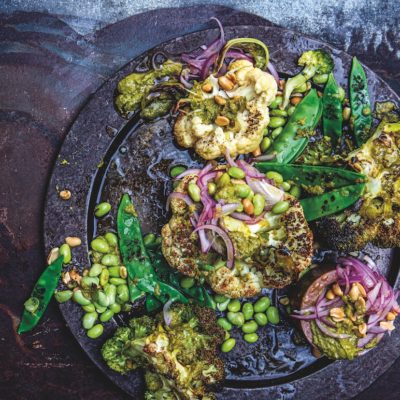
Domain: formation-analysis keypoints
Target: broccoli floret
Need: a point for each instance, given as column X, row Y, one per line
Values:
column 315, row 62
column 181, row 359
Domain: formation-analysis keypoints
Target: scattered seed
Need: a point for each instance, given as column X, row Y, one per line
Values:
column 73, row 241
column 65, row 194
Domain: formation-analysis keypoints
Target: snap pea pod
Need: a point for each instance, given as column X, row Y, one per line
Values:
column 42, row 292
column 331, row 202
column 361, row 113
column 289, row 144
column 142, row 276
column 332, row 116
column 313, row 175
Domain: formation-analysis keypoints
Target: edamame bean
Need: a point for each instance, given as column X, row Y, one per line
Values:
column 101, row 298
column 89, row 308
column 291, row 110
column 224, row 324
column 236, row 172
column 89, row 281
column 277, row 102
column 276, row 122
column 250, row 337
column 259, row 204
column 265, row 144
column 115, row 308
column 242, row 190
column 219, row 298
column 295, row 191
column 228, row 345
column 276, row 176
column 224, row 180
column 106, row 316
column 249, row 327
column 227, row 335
column 273, row 315
column 234, row 305
column 302, row 88
column 96, row 331
column 236, row 318
column 280, row 207
column 248, row 311
column 212, row 188
column 122, row 293
column 65, row 251
column 341, row 93
column 276, row 132
column 110, row 260
column 278, row 113
column 111, row 292
column 113, row 272
column 117, row 281
column 63, row 295
column 126, row 307
column 194, row 192
column 262, row 304
column 175, row 171
column 79, row 298
column 111, row 238
column 89, row 319
column 240, row 208
column 286, row 186
column 104, row 276
column 261, row 319
column 100, row 309
column 223, row 306
column 100, row 244
column 187, row 283
column 95, row 270
column 320, row 79
column 102, row 209
column 149, row 239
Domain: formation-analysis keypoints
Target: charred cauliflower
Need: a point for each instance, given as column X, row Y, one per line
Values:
column 376, row 217
column 180, row 358
column 269, row 253
column 227, row 113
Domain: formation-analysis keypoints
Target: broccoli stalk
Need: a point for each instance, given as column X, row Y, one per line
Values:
column 315, row 62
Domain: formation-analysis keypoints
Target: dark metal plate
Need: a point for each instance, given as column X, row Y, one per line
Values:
column 103, row 162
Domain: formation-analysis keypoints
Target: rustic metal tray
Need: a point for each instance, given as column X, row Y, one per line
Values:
column 104, row 155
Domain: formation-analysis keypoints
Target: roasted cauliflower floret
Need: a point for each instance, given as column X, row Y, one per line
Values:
column 270, row 253
column 376, row 217
column 228, row 113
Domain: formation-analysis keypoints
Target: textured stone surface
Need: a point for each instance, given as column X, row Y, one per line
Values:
column 47, row 72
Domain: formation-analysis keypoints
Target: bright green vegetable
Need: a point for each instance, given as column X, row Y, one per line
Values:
column 95, row 270
column 280, row 207
column 249, row 327
column 331, row 202
column 122, row 294
column 248, row 311
column 187, row 282
column 223, row 306
column 277, row 177
column 88, row 282
column 315, row 62
column 79, row 298
column 262, row 304
column 320, row 79
column 104, row 277
column 106, row 316
column 41, row 296
column 228, row 345
column 273, row 315
column 360, row 105
column 276, row 122
column 101, row 298
column 149, row 239
column 89, row 308
column 115, row 308
column 110, row 260
column 276, row 132
column 236, row 318
column 177, row 170
column 286, row 186
column 261, row 319
column 89, row 320
column 102, row 209
column 265, row 144
column 194, row 192
column 250, row 337
column 111, row 238
column 114, row 272
column 295, row 191
column 242, row 190
column 224, row 180
column 63, row 295
column 96, row 331
column 234, row 305
column 219, row 298
column 332, row 115
column 100, row 245
column 259, row 204
column 236, row 172
column 224, row 324
column 278, row 113
column 65, row 251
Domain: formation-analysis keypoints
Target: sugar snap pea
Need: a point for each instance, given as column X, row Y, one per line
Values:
column 43, row 291
column 313, row 175
column 331, row 202
column 332, row 115
column 361, row 113
column 289, row 144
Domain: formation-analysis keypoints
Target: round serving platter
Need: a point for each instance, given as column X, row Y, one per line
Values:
column 104, row 156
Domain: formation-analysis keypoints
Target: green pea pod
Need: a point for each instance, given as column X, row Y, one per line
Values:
column 332, row 117
column 290, row 144
column 361, row 112
column 313, row 175
column 43, row 291
column 331, row 202
column 132, row 248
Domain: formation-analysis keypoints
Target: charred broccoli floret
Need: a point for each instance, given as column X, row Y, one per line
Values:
column 376, row 217
column 315, row 62
column 182, row 356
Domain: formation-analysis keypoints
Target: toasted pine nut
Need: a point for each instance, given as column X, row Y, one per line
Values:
column 73, row 241
column 225, row 83
column 222, row 121
column 207, row 87
column 220, row 100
